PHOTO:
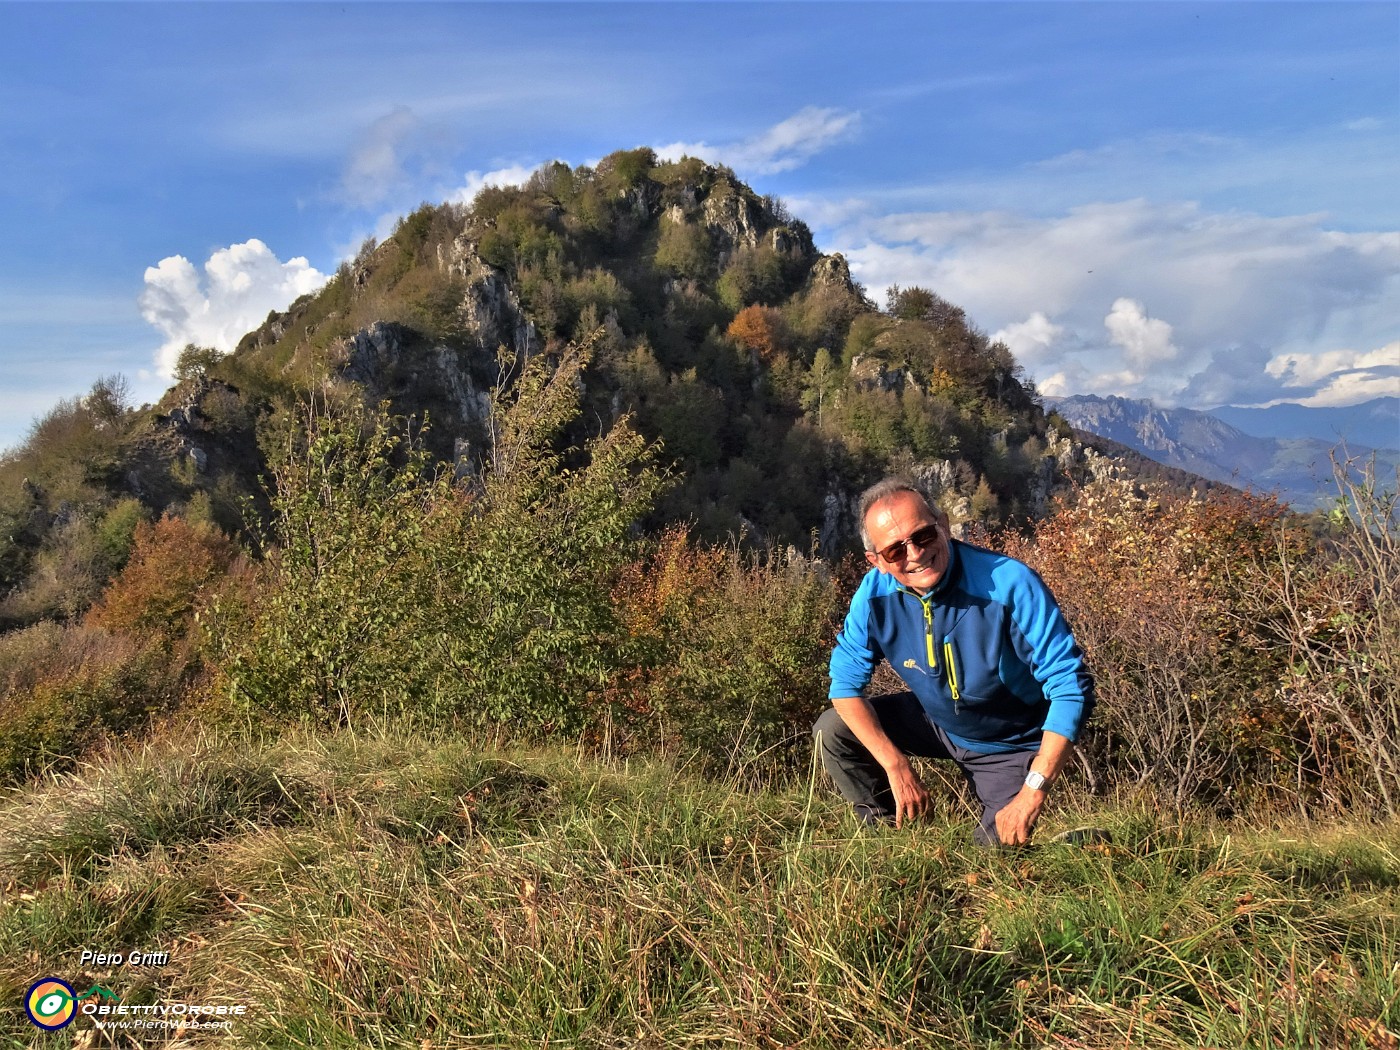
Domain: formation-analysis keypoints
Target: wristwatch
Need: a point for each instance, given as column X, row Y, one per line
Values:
column 1035, row 781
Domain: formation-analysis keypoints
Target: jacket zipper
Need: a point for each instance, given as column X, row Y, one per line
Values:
column 952, row 670
column 928, row 637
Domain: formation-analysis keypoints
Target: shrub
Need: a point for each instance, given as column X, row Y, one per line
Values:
column 76, row 447
column 1238, row 660
column 64, row 687
column 173, row 566
column 728, row 652
column 116, row 535
column 522, row 572
column 1332, row 614
column 1188, row 703
column 76, row 560
column 334, row 604
column 392, row 592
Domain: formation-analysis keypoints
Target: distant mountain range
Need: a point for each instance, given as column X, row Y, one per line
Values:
column 1373, row 424
column 1293, row 462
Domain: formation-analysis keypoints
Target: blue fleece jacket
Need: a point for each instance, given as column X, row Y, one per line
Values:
column 987, row 652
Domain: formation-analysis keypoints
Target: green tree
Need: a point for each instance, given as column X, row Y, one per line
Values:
column 195, row 362
column 684, row 249
column 754, row 275
column 626, row 168
column 822, row 382
column 984, row 502
column 692, row 416
column 908, row 304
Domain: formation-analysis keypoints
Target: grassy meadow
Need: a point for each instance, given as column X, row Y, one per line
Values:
column 398, row 890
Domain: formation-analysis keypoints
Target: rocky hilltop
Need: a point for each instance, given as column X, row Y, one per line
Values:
column 775, row 387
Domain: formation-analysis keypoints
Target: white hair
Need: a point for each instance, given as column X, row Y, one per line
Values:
column 881, row 491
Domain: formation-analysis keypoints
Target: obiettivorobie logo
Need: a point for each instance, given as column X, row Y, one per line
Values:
column 52, row 1004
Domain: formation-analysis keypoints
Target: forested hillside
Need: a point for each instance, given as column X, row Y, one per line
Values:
column 776, row 388
column 774, row 385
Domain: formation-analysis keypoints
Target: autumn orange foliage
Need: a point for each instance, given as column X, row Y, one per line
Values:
column 760, row 329
column 172, row 568
column 63, row 687
column 1189, row 697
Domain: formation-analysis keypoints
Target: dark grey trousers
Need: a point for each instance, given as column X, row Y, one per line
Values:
column 994, row 779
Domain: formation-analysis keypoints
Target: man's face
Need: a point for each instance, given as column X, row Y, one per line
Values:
column 898, row 518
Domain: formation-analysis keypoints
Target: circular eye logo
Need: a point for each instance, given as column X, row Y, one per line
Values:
column 50, row 1003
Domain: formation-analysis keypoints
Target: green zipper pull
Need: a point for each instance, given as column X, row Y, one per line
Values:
column 952, row 670
column 928, row 636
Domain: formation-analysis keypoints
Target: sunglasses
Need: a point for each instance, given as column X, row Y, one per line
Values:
column 898, row 551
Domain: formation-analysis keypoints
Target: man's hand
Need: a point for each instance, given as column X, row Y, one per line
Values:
column 1016, row 820
column 910, row 795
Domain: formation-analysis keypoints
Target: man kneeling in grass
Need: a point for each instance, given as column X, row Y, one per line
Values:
column 996, row 681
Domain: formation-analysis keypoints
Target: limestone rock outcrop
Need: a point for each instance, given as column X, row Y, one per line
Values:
column 490, row 310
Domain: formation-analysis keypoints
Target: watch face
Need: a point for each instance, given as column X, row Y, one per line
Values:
column 1035, row 781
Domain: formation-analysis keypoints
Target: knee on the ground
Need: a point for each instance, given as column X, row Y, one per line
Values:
column 829, row 724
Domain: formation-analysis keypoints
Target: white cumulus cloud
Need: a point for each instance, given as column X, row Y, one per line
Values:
column 475, row 181
column 1352, row 388
column 241, row 284
column 1146, row 340
column 1306, row 369
column 1069, row 292
column 1031, row 340
column 786, row 145
column 1075, row 378
column 1338, row 377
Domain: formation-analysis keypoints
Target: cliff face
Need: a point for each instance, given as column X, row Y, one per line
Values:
column 733, row 221
column 489, row 308
column 389, row 362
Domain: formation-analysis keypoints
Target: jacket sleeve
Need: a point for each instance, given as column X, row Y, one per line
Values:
column 855, row 655
column 1043, row 641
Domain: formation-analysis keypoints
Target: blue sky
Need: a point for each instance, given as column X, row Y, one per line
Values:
column 1189, row 202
